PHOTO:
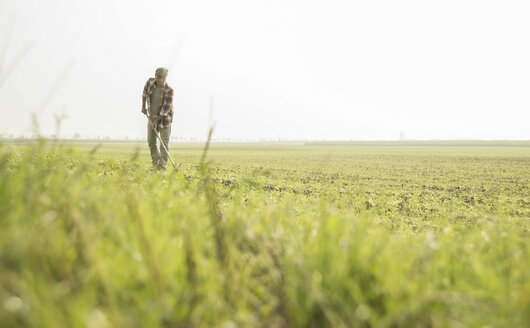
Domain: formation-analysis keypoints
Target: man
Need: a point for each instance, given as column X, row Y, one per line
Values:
column 159, row 99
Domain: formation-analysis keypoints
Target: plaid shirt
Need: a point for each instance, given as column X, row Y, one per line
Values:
column 166, row 111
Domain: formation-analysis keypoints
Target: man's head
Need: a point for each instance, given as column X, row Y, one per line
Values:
column 160, row 75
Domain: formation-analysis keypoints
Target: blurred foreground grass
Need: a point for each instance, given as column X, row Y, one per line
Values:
column 339, row 235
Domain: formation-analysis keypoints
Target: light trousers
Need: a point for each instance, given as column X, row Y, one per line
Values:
column 158, row 154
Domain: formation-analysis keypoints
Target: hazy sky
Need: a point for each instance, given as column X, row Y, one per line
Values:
column 274, row 68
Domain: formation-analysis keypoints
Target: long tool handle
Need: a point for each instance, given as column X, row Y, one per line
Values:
column 161, row 142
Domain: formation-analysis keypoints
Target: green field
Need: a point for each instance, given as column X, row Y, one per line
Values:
column 359, row 234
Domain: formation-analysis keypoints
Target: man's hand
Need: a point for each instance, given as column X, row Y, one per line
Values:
column 155, row 123
column 144, row 111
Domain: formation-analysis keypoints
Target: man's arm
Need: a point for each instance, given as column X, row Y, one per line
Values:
column 144, row 110
column 144, row 97
column 168, row 103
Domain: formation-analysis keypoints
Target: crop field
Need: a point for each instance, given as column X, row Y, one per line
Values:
column 352, row 234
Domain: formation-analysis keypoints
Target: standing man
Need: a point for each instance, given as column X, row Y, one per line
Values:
column 159, row 98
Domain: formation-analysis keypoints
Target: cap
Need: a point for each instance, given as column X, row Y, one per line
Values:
column 161, row 71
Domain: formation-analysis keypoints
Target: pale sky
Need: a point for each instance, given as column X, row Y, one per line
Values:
column 333, row 70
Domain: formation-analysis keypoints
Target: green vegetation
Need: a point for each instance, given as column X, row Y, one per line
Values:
column 261, row 235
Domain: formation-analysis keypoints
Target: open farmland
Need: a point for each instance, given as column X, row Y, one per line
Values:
column 360, row 234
